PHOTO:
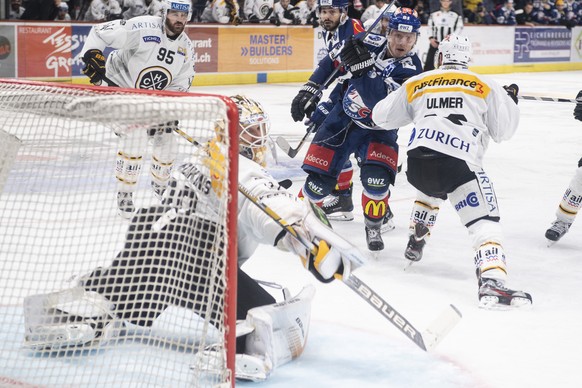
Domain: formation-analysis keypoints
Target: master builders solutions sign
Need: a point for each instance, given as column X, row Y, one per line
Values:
column 265, row 49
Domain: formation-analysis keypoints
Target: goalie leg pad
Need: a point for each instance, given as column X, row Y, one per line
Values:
column 280, row 330
column 72, row 317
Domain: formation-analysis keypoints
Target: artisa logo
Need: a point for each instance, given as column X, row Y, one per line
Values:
column 180, row 7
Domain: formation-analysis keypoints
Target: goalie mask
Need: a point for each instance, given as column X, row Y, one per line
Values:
column 455, row 50
column 254, row 125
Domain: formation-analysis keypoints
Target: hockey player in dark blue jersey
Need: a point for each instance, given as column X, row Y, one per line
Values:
column 338, row 27
column 375, row 66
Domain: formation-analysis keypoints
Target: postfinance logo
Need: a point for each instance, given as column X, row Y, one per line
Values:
column 447, row 82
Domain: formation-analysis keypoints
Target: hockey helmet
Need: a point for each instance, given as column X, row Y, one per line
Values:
column 341, row 4
column 404, row 20
column 176, row 5
column 455, row 50
column 254, row 126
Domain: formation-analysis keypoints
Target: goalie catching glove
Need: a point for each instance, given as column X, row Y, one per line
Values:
column 94, row 66
column 325, row 260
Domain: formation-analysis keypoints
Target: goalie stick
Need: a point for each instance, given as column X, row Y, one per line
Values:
column 426, row 340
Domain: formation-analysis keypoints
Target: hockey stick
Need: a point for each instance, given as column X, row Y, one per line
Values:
column 547, row 99
column 286, row 147
column 426, row 340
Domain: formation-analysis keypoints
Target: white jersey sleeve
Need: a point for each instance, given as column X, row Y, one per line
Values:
column 144, row 57
column 254, row 226
column 455, row 112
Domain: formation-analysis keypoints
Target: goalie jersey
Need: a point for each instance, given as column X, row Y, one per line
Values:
column 144, row 57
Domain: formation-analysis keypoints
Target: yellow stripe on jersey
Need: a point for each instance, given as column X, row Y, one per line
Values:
column 447, row 82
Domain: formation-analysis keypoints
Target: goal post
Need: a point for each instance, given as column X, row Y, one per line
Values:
column 140, row 300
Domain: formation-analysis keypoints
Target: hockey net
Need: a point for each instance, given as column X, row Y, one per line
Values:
column 59, row 226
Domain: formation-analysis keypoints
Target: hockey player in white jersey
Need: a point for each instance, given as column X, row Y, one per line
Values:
column 456, row 112
column 93, row 312
column 572, row 199
column 150, row 53
column 308, row 12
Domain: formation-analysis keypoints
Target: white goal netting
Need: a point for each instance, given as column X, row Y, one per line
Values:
column 91, row 299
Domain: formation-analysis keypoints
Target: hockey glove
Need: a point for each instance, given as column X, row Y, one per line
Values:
column 309, row 93
column 512, row 91
column 357, row 57
column 578, row 107
column 94, row 66
column 318, row 116
column 327, row 265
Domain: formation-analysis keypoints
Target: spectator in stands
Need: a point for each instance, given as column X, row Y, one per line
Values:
column 356, row 8
column 63, row 10
column 16, row 10
column 308, row 13
column 103, row 10
column 506, row 14
column 561, row 17
column 422, row 10
column 41, row 10
column 133, row 8
column 222, row 11
column 373, row 11
column 527, row 16
column 255, row 11
column 286, row 13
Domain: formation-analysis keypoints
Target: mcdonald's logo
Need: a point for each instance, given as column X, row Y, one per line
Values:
column 375, row 209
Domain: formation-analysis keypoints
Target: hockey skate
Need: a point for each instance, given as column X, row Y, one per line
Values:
column 125, row 206
column 338, row 206
column 416, row 243
column 557, row 231
column 387, row 221
column 493, row 295
column 374, row 237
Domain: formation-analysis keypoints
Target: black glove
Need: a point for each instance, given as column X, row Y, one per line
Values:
column 512, row 91
column 309, row 92
column 254, row 19
column 94, row 66
column 296, row 21
column 275, row 20
column 357, row 57
column 578, row 107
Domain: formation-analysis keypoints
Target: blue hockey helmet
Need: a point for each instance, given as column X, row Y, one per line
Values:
column 405, row 20
column 341, row 4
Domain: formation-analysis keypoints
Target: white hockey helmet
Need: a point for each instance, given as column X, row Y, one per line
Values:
column 455, row 50
column 254, row 126
column 176, row 5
